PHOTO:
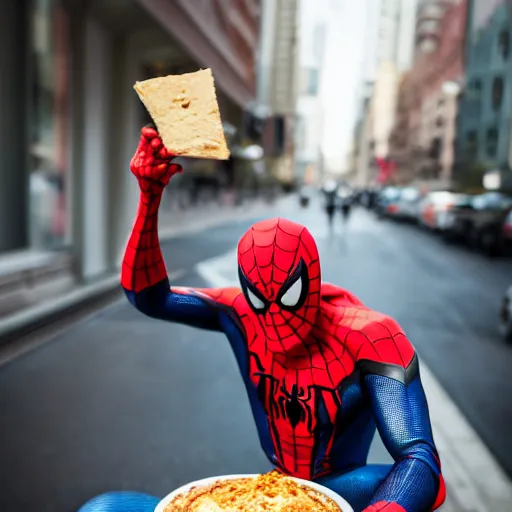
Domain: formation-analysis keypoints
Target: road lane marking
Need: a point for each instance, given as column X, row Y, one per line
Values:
column 221, row 271
column 475, row 480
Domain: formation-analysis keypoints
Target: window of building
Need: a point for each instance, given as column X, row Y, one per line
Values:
column 428, row 45
column 492, row 142
column 504, row 43
column 440, row 122
column 428, row 26
column 48, row 138
column 497, row 93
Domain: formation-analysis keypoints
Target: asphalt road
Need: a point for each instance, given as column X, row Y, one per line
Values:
column 125, row 402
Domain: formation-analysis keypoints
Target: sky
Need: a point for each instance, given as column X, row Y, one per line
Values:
column 350, row 60
column 342, row 77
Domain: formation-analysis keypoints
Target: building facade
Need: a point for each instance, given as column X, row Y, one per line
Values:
column 403, row 136
column 308, row 120
column 365, row 169
column 396, row 33
column 278, row 85
column 485, row 107
column 392, row 52
column 70, row 120
column 441, row 73
column 422, row 143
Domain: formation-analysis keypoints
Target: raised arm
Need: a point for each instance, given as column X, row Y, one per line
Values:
column 390, row 371
column 144, row 274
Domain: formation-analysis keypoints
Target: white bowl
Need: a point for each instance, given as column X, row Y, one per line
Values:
column 345, row 507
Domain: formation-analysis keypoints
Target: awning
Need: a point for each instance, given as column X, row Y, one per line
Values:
column 198, row 37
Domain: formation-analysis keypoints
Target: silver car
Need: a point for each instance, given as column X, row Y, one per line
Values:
column 408, row 204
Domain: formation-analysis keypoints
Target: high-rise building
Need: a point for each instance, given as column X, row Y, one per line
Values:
column 424, row 132
column 388, row 55
column 309, row 117
column 345, row 27
column 412, row 111
column 277, row 84
column 387, row 38
column 363, row 170
column 394, row 56
column 395, row 32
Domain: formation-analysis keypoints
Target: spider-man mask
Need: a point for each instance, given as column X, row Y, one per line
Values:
column 279, row 272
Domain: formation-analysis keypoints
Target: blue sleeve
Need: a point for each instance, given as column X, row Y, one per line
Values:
column 401, row 413
column 160, row 302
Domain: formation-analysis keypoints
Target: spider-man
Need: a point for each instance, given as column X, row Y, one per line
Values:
column 322, row 371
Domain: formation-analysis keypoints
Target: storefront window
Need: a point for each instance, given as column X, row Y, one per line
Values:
column 48, row 124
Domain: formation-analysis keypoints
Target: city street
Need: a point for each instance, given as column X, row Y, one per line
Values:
column 121, row 401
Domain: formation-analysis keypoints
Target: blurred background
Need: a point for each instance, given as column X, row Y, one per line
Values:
column 382, row 125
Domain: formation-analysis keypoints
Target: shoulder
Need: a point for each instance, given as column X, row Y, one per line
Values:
column 336, row 296
column 225, row 297
column 380, row 346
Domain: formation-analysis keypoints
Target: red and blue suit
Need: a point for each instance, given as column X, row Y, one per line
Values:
column 322, row 371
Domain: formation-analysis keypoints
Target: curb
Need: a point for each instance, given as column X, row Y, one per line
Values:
column 39, row 325
column 105, row 290
column 40, row 315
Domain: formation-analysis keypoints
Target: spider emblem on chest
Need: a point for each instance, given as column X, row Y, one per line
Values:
column 294, row 405
column 291, row 403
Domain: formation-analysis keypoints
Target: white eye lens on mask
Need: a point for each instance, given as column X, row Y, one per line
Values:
column 292, row 295
column 255, row 301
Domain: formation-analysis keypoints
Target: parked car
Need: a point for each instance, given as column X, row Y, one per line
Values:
column 506, row 230
column 408, row 204
column 483, row 222
column 506, row 315
column 435, row 207
column 448, row 220
column 387, row 202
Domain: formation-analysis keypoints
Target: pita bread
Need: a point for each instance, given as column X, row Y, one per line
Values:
column 186, row 113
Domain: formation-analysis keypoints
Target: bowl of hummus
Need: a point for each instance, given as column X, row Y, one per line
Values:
column 253, row 493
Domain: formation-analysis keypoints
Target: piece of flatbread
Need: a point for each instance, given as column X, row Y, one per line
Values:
column 186, row 113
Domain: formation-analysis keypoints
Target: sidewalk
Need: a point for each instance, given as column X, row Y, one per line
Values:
column 474, row 480
column 62, row 295
column 28, row 277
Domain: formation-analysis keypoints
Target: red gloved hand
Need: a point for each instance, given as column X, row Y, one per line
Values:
column 152, row 163
column 384, row 506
